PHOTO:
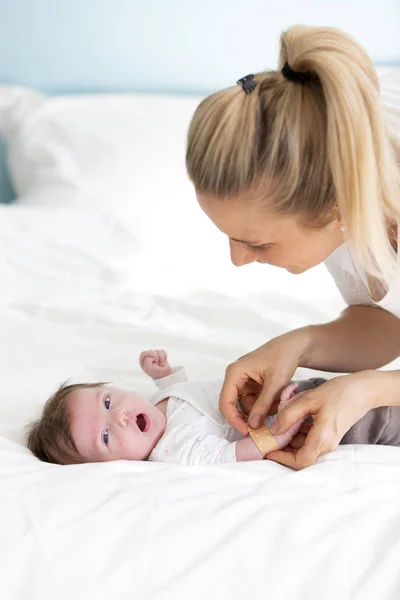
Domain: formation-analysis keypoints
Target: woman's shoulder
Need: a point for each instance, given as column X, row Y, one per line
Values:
column 349, row 276
column 353, row 284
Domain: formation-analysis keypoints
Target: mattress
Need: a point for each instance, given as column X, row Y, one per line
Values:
column 85, row 288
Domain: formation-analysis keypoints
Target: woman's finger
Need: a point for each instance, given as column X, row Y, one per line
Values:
column 234, row 382
column 298, row 441
column 317, row 443
column 305, row 428
column 262, row 405
column 251, row 387
column 292, row 458
column 247, row 401
column 286, row 457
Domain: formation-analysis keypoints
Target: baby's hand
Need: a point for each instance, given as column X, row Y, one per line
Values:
column 155, row 364
column 287, row 396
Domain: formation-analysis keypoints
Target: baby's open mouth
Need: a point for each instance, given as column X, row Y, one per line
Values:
column 142, row 422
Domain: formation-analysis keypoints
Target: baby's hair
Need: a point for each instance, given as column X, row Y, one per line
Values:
column 49, row 438
column 299, row 148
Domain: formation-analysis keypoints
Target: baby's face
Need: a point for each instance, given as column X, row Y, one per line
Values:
column 112, row 424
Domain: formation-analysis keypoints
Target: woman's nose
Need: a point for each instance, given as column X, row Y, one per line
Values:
column 240, row 255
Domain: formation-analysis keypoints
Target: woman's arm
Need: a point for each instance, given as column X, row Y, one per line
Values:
column 387, row 388
column 363, row 337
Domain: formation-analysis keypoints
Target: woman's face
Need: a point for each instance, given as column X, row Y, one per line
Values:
column 258, row 236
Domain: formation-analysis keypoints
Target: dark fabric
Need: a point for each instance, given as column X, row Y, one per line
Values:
column 379, row 426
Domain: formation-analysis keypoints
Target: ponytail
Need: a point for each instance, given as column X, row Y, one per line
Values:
column 308, row 147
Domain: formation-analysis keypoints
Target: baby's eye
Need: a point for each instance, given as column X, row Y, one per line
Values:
column 105, row 436
column 107, row 402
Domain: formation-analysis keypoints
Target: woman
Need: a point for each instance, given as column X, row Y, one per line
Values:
column 296, row 167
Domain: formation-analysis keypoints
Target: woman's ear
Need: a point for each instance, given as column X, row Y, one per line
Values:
column 337, row 217
column 336, row 212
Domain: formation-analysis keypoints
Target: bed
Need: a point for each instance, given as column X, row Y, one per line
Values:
column 106, row 253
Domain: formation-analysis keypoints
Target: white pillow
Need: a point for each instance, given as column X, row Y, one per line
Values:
column 119, row 154
column 111, row 152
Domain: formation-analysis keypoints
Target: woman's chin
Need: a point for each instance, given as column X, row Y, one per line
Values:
column 295, row 270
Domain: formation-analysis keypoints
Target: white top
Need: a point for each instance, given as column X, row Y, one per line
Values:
column 196, row 432
column 352, row 283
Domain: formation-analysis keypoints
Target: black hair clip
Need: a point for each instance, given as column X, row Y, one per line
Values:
column 248, row 83
column 297, row 76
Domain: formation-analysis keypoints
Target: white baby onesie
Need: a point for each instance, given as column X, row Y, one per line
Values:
column 196, row 432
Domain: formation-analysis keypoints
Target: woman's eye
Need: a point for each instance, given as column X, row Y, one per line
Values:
column 107, row 402
column 105, row 437
column 258, row 248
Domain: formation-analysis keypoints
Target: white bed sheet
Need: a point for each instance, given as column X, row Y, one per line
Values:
column 104, row 256
column 79, row 299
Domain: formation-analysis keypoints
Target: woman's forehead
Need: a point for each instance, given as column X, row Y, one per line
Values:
column 244, row 221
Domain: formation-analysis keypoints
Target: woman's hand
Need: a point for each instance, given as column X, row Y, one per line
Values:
column 335, row 407
column 271, row 367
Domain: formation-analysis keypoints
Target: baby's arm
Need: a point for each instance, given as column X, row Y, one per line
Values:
column 155, row 364
column 247, row 450
column 188, row 444
column 181, row 444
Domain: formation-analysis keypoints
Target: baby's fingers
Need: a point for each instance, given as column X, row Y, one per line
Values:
column 300, row 408
column 161, row 357
column 144, row 355
column 287, row 394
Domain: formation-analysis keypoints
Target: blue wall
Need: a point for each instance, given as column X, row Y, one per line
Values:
column 170, row 45
column 185, row 46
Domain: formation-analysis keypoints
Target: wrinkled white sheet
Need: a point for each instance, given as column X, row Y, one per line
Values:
column 80, row 299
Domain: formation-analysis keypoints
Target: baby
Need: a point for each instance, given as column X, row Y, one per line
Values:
column 179, row 424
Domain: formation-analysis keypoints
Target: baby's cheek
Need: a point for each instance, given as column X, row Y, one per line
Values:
column 133, row 448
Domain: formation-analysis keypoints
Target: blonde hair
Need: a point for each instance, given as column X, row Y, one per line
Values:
column 49, row 438
column 304, row 147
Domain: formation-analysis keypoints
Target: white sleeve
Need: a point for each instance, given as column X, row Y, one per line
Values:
column 349, row 280
column 178, row 375
column 183, row 445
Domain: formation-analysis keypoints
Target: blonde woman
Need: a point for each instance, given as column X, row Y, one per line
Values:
column 298, row 166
